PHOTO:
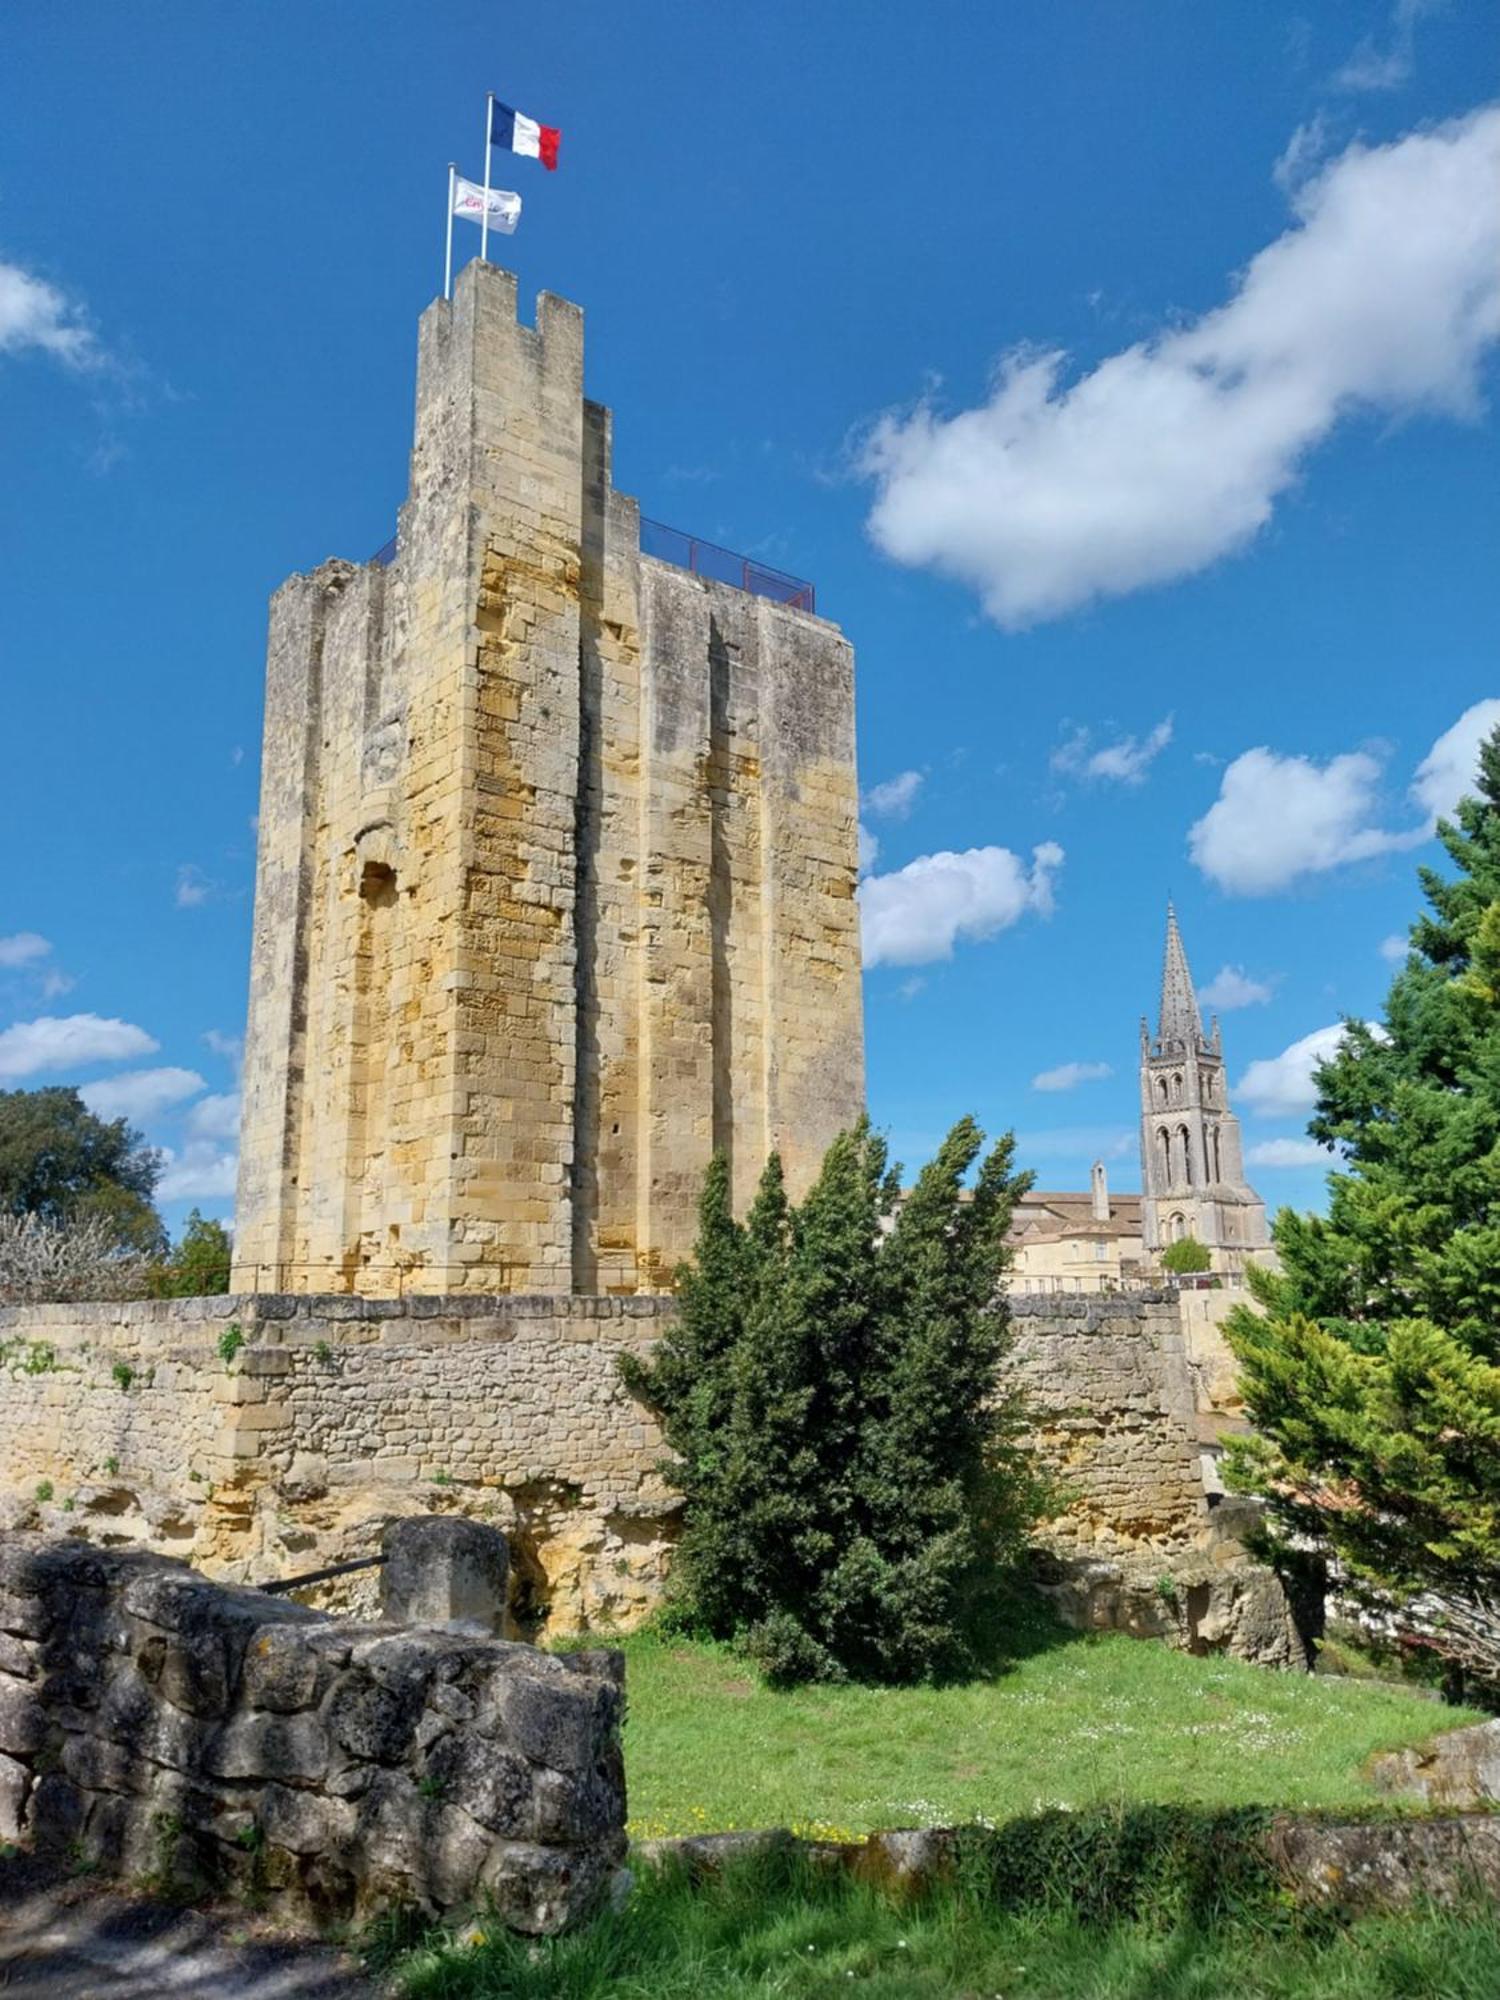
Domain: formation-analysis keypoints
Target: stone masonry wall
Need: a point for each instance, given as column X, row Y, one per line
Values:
column 1107, row 1377
column 555, row 882
column 154, row 1725
column 331, row 1416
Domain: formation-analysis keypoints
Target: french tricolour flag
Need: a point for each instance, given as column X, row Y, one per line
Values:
column 518, row 134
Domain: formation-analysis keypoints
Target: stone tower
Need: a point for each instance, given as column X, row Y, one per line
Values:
column 1192, row 1176
column 555, row 883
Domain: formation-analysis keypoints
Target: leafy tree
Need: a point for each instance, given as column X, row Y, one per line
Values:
column 61, row 1163
column 1186, row 1257
column 853, row 1480
column 199, row 1263
column 1373, row 1374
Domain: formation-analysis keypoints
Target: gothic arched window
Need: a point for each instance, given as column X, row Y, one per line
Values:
column 1187, row 1155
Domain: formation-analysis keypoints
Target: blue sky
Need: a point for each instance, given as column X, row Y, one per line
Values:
column 1138, row 431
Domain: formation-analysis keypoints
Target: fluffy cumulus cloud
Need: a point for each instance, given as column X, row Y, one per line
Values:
column 141, row 1093
column 1278, row 1086
column 215, row 1117
column 1384, row 296
column 1068, row 1075
column 1288, row 1153
column 69, row 1042
column 36, row 315
column 919, row 912
column 894, row 798
column 1447, row 772
column 869, row 849
column 22, row 948
column 201, row 1171
column 1231, row 987
column 1127, row 759
column 1279, row 817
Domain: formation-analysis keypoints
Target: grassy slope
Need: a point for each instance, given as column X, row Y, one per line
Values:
column 1078, row 1721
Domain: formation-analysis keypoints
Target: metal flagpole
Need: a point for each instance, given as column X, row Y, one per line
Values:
column 484, row 221
column 448, row 253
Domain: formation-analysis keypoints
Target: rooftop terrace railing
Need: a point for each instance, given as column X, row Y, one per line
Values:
column 724, row 566
column 705, row 559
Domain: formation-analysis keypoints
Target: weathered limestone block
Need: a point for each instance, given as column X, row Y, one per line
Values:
column 444, row 1570
column 1461, row 1768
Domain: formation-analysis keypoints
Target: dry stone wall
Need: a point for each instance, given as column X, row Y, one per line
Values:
column 153, row 1724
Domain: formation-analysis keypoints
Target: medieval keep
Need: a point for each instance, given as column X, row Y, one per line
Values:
column 555, row 883
column 1192, row 1176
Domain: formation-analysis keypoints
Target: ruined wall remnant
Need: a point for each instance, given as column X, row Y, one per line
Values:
column 153, row 1724
column 555, row 884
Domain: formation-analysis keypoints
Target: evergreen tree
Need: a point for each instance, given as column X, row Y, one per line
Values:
column 852, row 1481
column 1373, row 1376
column 199, row 1263
column 61, row 1163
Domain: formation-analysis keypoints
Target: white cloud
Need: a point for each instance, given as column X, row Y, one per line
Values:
column 869, row 849
column 1394, row 948
column 22, row 948
column 895, row 798
column 202, row 1171
column 1076, row 1142
column 1280, row 817
column 1289, row 1153
column 1231, row 987
column 34, row 314
column 230, row 1047
column 1384, row 296
column 919, row 912
column 1277, row 1086
column 69, row 1042
column 1068, row 1075
column 140, row 1093
column 1373, row 67
column 1127, row 759
column 193, row 886
column 1302, row 154
column 1446, row 774
column 215, row 1117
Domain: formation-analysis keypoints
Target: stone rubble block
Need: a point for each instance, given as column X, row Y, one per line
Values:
column 221, row 1741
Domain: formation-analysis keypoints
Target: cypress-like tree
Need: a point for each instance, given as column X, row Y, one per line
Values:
column 1373, row 1374
column 852, row 1478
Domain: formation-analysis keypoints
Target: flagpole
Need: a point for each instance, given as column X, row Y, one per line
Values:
column 448, row 253
column 484, row 220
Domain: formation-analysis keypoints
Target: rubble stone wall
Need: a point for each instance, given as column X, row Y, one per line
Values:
column 156, row 1725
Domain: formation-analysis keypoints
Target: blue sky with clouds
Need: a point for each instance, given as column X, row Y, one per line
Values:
column 1123, row 373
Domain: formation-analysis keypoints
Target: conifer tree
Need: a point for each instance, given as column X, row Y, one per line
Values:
column 1373, row 1374
column 852, row 1479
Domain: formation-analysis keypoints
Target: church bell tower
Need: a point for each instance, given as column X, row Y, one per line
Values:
column 1192, row 1174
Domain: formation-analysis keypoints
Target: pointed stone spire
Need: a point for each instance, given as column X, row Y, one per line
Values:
column 1180, row 1020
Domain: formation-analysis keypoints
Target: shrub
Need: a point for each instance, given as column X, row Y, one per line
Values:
column 853, row 1479
column 1186, row 1257
column 43, row 1261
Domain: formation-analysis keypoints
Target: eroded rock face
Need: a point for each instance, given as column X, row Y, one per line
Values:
column 154, row 1723
column 1459, row 1769
column 1238, row 1608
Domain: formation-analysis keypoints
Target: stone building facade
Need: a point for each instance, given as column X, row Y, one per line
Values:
column 555, row 883
column 1192, row 1172
column 1064, row 1242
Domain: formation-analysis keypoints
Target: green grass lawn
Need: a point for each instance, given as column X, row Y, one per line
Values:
column 1077, row 1721
column 763, row 1933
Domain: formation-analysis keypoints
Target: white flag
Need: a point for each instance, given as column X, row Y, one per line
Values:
column 505, row 207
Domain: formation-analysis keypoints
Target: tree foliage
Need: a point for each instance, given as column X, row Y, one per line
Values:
column 851, row 1468
column 198, row 1265
column 64, row 1165
column 1186, row 1257
column 1373, row 1373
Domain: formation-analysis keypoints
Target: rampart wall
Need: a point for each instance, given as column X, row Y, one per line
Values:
column 267, row 1436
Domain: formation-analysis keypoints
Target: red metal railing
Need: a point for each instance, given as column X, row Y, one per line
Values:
column 724, row 566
